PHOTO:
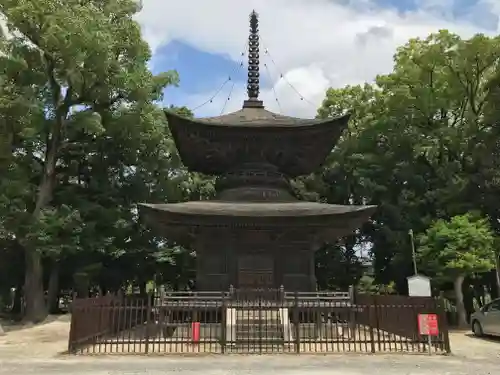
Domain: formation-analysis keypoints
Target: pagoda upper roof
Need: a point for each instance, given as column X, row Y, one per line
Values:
column 214, row 145
column 260, row 117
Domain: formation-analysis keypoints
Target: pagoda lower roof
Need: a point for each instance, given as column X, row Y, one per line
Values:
column 182, row 222
column 260, row 209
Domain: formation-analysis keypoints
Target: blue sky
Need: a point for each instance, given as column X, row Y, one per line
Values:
column 205, row 51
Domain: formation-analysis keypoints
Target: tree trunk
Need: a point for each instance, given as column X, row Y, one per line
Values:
column 497, row 273
column 142, row 288
column 34, row 292
column 33, row 288
column 462, row 315
column 17, row 303
column 468, row 299
column 81, row 284
column 53, row 289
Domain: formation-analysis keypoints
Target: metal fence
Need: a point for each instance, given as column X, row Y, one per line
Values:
column 257, row 322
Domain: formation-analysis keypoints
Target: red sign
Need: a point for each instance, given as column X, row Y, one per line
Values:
column 428, row 324
column 195, row 331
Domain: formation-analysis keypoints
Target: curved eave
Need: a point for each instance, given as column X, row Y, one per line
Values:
column 210, row 145
column 182, row 217
column 253, row 118
column 255, row 210
column 178, row 221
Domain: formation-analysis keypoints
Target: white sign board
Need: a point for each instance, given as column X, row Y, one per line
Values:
column 419, row 286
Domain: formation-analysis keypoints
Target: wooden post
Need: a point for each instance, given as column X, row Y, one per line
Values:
column 296, row 322
column 148, row 319
column 352, row 312
column 377, row 318
column 371, row 323
column 443, row 322
column 223, row 338
column 72, row 326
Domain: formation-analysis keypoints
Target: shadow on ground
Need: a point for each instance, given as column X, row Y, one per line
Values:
column 493, row 339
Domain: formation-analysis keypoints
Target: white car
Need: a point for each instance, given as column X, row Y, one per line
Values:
column 486, row 321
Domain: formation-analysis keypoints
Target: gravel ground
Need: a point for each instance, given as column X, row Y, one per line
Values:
column 35, row 351
column 261, row 365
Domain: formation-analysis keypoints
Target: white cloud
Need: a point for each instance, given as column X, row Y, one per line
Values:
column 315, row 43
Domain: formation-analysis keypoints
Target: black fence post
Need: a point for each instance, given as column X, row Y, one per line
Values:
column 296, row 322
column 352, row 313
column 148, row 320
column 73, row 325
column 260, row 319
column 443, row 322
column 371, row 319
column 377, row 320
column 223, row 340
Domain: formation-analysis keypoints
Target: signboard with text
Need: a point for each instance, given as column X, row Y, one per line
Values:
column 419, row 286
column 428, row 324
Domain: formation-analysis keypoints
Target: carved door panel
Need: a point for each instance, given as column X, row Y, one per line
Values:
column 255, row 271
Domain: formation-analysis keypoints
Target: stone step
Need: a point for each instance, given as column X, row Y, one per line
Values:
column 257, row 312
column 275, row 332
column 256, row 338
column 257, row 317
column 256, row 346
column 260, row 331
column 274, row 328
column 259, row 341
column 252, row 325
column 255, row 328
column 256, row 322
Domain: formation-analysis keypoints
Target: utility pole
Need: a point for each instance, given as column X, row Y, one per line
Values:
column 414, row 255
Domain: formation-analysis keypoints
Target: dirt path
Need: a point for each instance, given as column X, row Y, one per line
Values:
column 48, row 340
column 35, row 350
column 465, row 345
column 42, row 341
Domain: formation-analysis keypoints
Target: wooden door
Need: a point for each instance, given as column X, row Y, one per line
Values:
column 255, row 271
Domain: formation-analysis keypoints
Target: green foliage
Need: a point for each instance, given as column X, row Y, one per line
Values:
column 421, row 144
column 461, row 246
column 367, row 285
column 83, row 140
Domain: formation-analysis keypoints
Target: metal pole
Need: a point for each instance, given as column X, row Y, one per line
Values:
column 414, row 255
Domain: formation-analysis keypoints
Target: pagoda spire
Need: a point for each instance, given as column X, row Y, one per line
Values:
column 253, row 82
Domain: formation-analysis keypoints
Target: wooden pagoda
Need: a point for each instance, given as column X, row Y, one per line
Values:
column 255, row 234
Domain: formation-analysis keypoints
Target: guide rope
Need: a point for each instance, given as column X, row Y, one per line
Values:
column 240, row 66
column 234, row 82
column 283, row 76
column 229, row 79
column 274, row 89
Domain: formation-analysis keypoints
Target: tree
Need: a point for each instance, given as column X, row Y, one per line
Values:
column 455, row 249
column 73, row 66
column 418, row 144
